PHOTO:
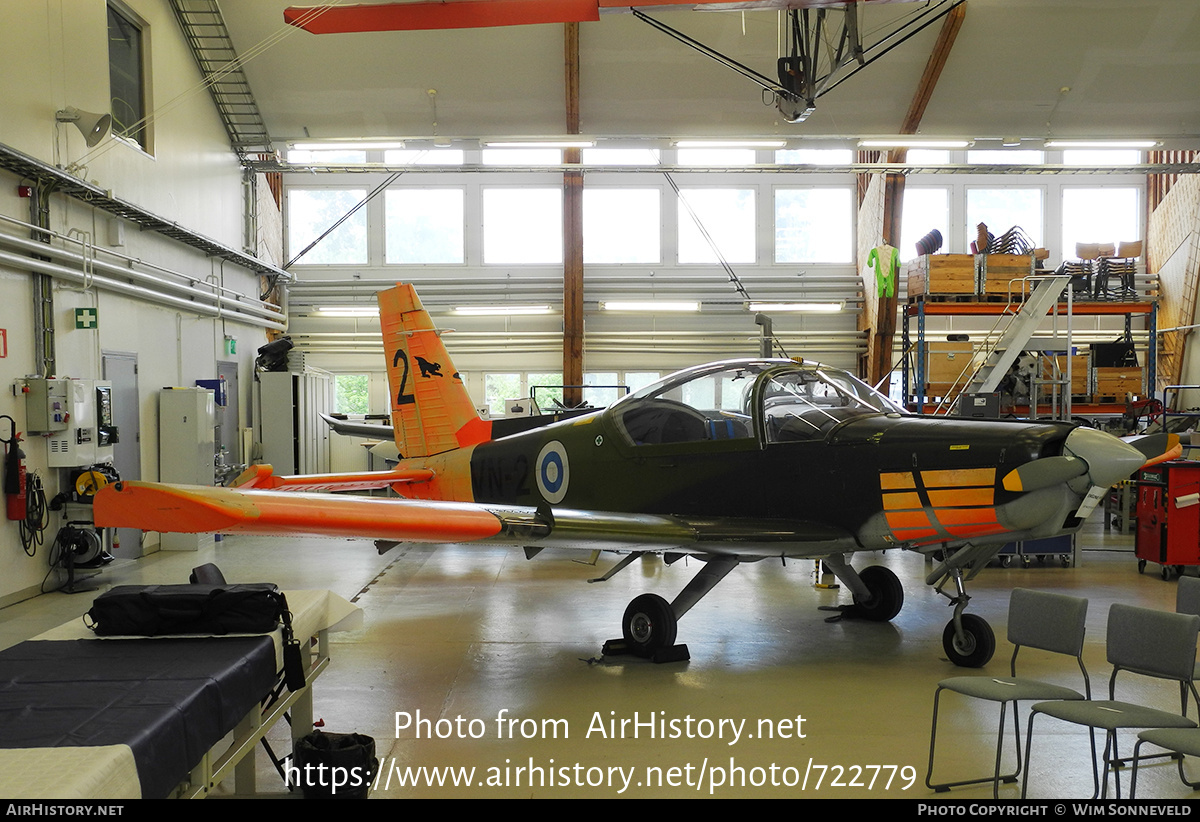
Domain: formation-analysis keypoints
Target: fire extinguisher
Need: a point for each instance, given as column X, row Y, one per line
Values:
column 14, row 473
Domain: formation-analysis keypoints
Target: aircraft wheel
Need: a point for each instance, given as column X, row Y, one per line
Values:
column 887, row 594
column 977, row 646
column 648, row 625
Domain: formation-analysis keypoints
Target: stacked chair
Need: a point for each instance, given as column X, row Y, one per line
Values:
column 1036, row 619
column 1139, row 641
column 1115, row 277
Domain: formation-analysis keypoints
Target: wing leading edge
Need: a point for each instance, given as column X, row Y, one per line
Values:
column 196, row 509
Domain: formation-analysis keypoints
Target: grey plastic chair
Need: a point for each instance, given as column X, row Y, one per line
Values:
column 1175, row 740
column 1048, row 622
column 1187, row 601
column 1142, row 641
column 1178, row 741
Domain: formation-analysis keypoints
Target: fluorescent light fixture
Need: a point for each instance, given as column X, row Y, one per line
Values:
column 649, row 305
column 912, row 142
column 348, row 145
column 804, row 308
column 730, row 143
column 1101, row 143
column 348, row 311
column 543, row 144
column 500, row 310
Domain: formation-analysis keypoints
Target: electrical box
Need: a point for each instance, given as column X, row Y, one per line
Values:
column 88, row 434
column 46, row 407
column 186, row 436
column 186, row 450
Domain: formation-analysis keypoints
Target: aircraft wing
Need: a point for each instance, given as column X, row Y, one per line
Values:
column 198, row 509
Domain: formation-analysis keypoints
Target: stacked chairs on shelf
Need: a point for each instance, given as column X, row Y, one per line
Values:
column 1117, row 268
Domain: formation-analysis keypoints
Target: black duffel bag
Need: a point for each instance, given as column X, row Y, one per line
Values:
column 172, row 610
column 167, row 610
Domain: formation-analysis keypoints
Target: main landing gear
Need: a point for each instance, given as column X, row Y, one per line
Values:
column 878, row 594
column 650, row 623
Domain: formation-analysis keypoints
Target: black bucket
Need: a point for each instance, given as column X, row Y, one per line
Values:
column 333, row 766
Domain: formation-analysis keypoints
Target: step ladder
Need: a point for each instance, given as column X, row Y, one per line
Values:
column 1001, row 355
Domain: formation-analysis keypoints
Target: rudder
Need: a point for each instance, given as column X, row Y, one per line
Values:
column 431, row 410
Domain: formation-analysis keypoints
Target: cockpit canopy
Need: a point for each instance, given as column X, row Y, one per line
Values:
column 777, row 400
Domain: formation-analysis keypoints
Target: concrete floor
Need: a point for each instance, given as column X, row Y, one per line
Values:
column 472, row 634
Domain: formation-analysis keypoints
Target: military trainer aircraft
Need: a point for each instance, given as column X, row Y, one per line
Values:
column 730, row 462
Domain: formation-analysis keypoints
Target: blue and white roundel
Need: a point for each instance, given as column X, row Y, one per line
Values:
column 553, row 472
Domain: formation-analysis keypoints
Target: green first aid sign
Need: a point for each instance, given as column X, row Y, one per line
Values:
column 87, row 318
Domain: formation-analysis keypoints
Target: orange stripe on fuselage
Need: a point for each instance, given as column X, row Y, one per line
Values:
column 959, row 478
column 962, row 497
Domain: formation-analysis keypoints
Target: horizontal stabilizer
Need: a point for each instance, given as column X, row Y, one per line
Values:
column 263, row 477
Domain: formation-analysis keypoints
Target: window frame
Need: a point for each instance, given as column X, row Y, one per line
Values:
column 142, row 137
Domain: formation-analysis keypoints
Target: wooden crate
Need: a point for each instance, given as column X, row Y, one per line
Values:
column 1079, row 374
column 941, row 275
column 1117, row 382
column 945, row 367
column 997, row 272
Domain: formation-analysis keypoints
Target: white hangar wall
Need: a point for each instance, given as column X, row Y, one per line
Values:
column 54, row 54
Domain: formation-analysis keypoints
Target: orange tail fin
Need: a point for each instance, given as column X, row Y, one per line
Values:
column 431, row 410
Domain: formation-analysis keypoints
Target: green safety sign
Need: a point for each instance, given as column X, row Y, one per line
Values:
column 87, row 318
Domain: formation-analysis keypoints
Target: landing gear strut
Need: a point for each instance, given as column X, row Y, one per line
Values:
column 650, row 624
column 968, row 640
column 878, row 593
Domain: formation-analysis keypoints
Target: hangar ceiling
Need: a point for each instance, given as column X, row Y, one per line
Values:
column 1023, row 68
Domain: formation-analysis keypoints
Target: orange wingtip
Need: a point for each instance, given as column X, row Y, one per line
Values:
column 196, row 509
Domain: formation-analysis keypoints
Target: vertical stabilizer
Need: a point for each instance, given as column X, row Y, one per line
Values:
column 431, row 410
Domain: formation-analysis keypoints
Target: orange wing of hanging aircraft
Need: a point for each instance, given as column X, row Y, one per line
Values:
column 467, row 14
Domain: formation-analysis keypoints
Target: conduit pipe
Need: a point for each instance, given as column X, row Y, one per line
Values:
column 187, row 295
column 138, row 292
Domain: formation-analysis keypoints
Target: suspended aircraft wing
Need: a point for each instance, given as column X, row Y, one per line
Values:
column 199, row 509
column 465, row 14
column 358, row 429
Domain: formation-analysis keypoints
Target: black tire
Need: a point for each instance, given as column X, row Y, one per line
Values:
column 648, row 625
column 1165, row 573
column 887, row 594
column 977, row 647
column 1141, row 566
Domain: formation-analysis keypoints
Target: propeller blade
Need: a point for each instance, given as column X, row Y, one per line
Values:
column 1157, row 448
column 1044, row 472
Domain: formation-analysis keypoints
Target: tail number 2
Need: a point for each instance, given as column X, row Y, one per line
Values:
column 401, row 397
